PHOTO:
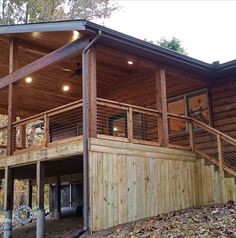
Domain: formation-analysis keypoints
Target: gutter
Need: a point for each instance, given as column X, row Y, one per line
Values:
column 85, row 132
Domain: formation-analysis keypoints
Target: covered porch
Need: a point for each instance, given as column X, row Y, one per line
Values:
column 125, row 97
column 55, row 98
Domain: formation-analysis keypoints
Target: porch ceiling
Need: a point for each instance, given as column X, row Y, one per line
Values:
column 45, row 92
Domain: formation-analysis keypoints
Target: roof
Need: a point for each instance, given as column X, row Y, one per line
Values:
column 129, row 44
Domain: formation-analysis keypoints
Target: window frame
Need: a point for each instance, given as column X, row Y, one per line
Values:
column 185, row 98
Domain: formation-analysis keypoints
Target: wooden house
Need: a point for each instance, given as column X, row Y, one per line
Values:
column 145, row 129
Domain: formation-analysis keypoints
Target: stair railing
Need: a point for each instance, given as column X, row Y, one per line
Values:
column 211, row 144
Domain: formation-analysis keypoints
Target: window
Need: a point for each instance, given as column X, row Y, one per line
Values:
column 118, row 125
column 198, row 107
column 194, row 105
column 177, row 107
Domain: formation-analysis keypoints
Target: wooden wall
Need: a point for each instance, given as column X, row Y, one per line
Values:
column 130, row 182
column 224, row 107
column 141, row 89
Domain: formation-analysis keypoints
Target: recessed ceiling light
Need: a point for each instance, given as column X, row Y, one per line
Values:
column 75, row 35
column 66, row 88
column 35, row 34
column 28, row 80
column 130, row 62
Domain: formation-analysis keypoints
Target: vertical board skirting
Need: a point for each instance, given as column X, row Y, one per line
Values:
column 128, row 187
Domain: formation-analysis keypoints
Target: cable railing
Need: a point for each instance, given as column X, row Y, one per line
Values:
column 54, row 125
column 127, row 122
column 209, row 143
column 124, row 122
column 3, row 141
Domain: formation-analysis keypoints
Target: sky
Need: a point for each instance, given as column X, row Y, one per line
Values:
column 207, row 29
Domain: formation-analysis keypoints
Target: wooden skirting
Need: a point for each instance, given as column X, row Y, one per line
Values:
column 53, row 151
column 129, row 182
column 211, row 188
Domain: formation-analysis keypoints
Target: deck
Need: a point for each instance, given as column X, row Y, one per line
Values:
column 58, row 133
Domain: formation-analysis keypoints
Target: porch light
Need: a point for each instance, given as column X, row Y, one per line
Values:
column 115, row 129
column 130, row 62
column 75, row 35
column 66, row 88
column 28, row 80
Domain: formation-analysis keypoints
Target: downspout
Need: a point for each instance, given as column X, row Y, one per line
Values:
column 85, row 133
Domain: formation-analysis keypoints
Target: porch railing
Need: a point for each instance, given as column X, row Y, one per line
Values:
column 127, row 122
column 123, row 122
column 3, row 141
column 54, row 125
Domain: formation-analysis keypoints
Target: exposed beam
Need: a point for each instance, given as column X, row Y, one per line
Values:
column 45, row 61
column 34, row 48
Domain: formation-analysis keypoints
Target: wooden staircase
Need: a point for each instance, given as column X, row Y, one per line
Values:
column 215, row 147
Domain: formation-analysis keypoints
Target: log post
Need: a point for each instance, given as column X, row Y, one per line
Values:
column 23, row 136
column 221, row 164
column 130, row 125
column 57, row 202
column 8, row 202
column 12, row 103
column 40, row 226
column 29, row 193
column 190, row 129
column 46, row 130
column 161, row 102
column 92, row 92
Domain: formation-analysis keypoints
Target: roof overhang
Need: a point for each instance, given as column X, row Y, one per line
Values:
column 131, row 45
column 43, row 27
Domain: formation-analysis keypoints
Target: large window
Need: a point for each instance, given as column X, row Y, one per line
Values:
column 193, row 105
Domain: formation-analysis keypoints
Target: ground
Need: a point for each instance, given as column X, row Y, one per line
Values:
column 202, row 221
column 64, row 228
column 205, row 221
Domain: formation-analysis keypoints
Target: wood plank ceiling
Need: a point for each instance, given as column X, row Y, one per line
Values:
column 45, row 91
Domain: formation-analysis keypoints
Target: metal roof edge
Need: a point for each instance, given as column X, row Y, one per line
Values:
column 43, row 27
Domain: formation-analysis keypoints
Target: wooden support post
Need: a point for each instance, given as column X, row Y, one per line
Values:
column 8, row 202
column 161, row 102
column 29, row 193
column 221, row 164
column 220, row 154
column 23, row 136
column 40, row 176
column 190, row 130
column 46, row 130
column 92, row 92
column 57, row 202
column 130, row 125
column 12, row 103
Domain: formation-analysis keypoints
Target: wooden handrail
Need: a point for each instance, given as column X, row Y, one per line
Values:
column 130, row 109
column 3, row 128
column 51, row 112
column 126, row 106
column 204, row 126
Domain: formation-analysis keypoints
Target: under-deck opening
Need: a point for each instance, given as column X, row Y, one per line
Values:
column 63, row 187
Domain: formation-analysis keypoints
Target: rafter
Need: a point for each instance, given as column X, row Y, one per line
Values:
column 45, row 61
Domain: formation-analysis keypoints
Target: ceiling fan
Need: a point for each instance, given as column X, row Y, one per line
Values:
column 76, row 72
